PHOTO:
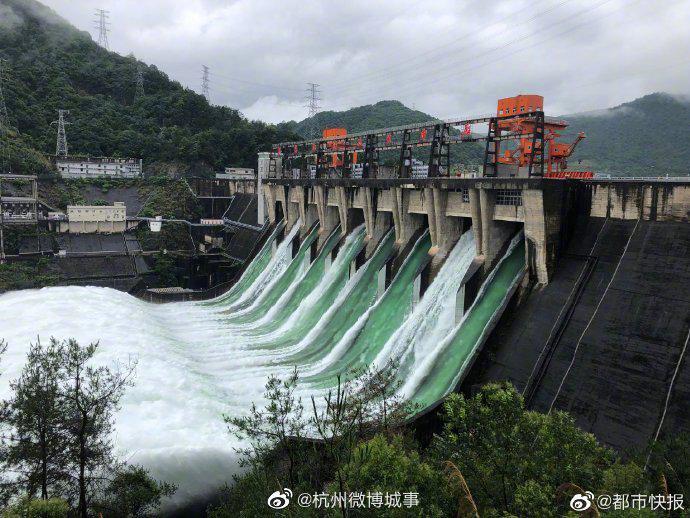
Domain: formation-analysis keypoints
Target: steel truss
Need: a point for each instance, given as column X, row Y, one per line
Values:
column 365, row 148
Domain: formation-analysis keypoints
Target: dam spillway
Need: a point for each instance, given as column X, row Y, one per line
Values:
column 352, row 274
column 324, row 310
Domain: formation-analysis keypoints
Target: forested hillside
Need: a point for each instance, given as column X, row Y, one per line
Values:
column 645, row 137
column 383, row 114
column 50, row 65
column 380, row 115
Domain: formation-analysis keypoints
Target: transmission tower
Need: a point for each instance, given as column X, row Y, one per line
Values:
column 139, row 83
column 313, row 98
column 2, row 227
column 204, row 83
column 103, row 24
column 61, row 145
column 4, row 118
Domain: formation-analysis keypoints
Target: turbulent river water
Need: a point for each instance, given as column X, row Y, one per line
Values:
column 200, row 360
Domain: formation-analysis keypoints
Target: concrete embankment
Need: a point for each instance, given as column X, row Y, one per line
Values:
column 604, row 338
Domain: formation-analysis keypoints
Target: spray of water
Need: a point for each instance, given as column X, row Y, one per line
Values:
column 198, row 361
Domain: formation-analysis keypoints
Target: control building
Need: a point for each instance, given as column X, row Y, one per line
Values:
column 98, row 167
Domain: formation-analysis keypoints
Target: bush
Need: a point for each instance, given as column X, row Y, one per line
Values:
column 499, row 446
column 35, row 508
column 385, row 465
column 133, row 492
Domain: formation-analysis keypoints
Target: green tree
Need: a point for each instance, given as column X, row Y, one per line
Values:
column 36, row 449
column 383, row 464
column 278, row 426
column 133, row 493
column 499, row 446
column 669, row 465
column 92, row 394
column 164, row 268
column 29, row 508
column 289, row 448
column 50, row 64
column 57, row 442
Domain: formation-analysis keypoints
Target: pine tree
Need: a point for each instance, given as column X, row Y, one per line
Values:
column 35, row 448
column 92, row 395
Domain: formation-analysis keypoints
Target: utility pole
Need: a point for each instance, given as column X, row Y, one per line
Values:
column 2, row 226
column 313, row 98
column 102, row 24
column 4, row 125
column 205, row 83
column 4, row 118
column 61, row 144
column 139, row 83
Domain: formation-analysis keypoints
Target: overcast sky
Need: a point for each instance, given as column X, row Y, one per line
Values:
column 444, row 57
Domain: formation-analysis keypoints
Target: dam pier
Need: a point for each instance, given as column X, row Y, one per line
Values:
column 520, row 269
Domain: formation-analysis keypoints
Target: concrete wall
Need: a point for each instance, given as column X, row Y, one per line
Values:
column 91, row 227
column 82, row 219
column 446, row 212
column 657, row 201
column 245, row 186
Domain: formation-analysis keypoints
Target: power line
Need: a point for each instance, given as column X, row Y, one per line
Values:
column 406, row 63
column 205, row 91
column 451, row 71
column 103, row 24
column 313, row 98
column 417, row 78
column 253, row 83
column 61, row 143
column 4, row 117
column 138, row 83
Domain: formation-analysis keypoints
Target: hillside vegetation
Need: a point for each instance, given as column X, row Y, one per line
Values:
column 645, row 137
column 380, row 115
column 383, row 114
column 51, row 65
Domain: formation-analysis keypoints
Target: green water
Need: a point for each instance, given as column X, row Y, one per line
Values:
column 452, row 360
column 328, row 324
column 303, row 287
column 270, row 296
column 251, row 273
column 332, row 328
column 385, row 317
column 319, row 299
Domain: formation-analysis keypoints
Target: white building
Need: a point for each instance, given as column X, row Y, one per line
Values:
column 98, row 167
column 84, row 219
column 237, row 173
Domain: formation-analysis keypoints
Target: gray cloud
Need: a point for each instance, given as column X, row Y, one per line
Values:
column 444, row 57
column 9, row 19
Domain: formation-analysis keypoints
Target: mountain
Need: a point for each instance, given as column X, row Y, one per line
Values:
column 383, row 114
column 51, row 65
column 644, row 137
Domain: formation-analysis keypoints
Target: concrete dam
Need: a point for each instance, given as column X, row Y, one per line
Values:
column 598, row 314
column 574, row 290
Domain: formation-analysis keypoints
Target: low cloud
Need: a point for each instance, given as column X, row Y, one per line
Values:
column 9, row 18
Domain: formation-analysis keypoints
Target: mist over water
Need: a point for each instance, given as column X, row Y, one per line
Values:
column 199, row 361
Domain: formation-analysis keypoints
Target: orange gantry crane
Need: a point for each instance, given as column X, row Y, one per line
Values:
column 529, row 146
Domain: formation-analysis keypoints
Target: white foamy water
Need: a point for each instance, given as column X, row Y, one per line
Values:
column 171, row 416
column 197, row 362
column 192, row 368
